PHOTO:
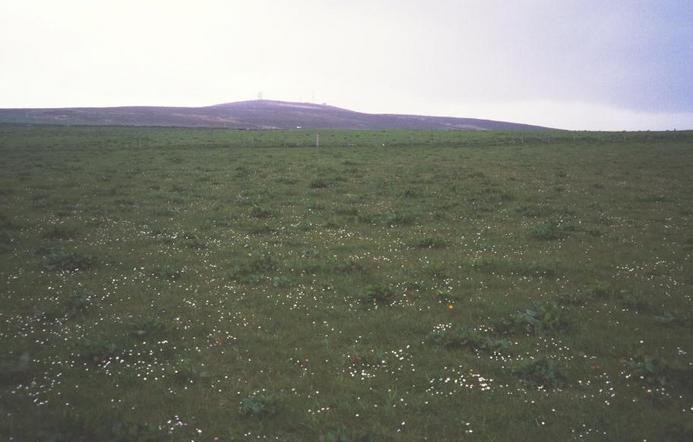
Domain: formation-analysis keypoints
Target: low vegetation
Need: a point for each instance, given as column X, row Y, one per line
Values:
column 173, row 284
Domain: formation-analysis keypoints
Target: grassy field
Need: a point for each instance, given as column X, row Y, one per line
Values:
column 172, row 284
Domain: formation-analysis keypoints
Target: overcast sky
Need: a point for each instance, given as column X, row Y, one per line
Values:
column 576, row 64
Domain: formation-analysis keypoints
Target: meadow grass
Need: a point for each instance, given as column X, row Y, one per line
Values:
column 195, row 284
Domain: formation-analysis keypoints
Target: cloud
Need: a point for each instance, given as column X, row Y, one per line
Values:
column 607, row 65
column 576, row 115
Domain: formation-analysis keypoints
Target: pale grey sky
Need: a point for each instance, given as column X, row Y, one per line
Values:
column 577, row 64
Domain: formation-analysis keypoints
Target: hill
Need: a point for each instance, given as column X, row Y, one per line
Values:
column 255, row 114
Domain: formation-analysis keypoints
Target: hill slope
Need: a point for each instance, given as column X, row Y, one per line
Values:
column 256, row 114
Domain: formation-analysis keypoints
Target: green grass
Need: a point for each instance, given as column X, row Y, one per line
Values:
column 180, row 284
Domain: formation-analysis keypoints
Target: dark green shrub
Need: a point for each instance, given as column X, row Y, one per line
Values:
column 217, row 221
column 545, row 317
column 60, row 232
column 431, row 242
column 260, row 212
column 672, row 320
column 573, row 299
column 259, row 406
column 78, row 302
column 435, row 270
column 688, row 244
column 319, row 183
column 379, row 294
column 169, row 272
column 8, row 223
column 396, row 219
column 99, row 350
column 261, row 229
column 464, row 338
column 57, row 260
column 342, row 434
column 255, row 270
column 349, row 265
column 648, row 370
column 332, row 225
column 531, row 269
column 366, row 218
column 346, row 211
column 601, row 290
column 547, row 231
column 444, row 297
column 149, row 327
column 598, row 291
column 362, row 359
column 121, row 431
column 541, row 372
column 534, row 211
column 193, row 241
column 5, row 241
column 13, row 367
column 637, row 304
column 282, row 281
column 263, row 264
column 286, row 180
column 76, row 305
column 486, row 264
column 677, row 433
column 411, row 193
column 187, row 371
